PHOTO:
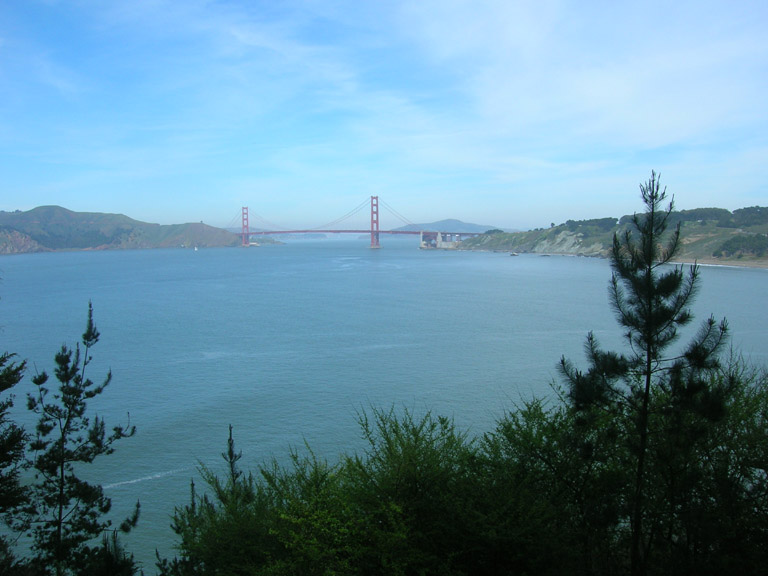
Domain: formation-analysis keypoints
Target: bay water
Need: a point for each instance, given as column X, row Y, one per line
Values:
column 290, row 344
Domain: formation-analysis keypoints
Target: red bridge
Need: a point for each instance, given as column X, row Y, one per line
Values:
column 429, row 238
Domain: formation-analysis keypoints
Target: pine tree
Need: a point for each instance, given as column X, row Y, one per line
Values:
column 12, row 442
column 68, row 511
column 12, row 437
column 651, row 299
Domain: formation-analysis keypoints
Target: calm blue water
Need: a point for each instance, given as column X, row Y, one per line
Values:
column 289, row 343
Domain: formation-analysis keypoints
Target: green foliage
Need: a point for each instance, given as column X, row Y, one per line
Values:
column 12, row 442
column 594, row 226
column 651, row 302
column 12, row 437
column 549, row 491
column 411, row 490
column 398, row 508
column 294, row 520
column 700, row 215
column 229, row 532
column 552, row 501
column 694, row 215
column 752, row 216
column 67, row 512
column 745, row 218
column 110, row 559
column 707, row 481
column 744, row 245
column 314, row 521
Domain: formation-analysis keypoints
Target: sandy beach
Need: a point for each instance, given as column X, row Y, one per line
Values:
column 740, row 263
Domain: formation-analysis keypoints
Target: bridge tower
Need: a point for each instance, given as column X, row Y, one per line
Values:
column 246, row 228
column 375, row 222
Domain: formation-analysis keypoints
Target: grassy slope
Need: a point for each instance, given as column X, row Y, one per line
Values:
column 55, row 228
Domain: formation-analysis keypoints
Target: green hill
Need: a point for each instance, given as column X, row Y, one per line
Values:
column 50, row 228
column 709, row 235
column 450, row 225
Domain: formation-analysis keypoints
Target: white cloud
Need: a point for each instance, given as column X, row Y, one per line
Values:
column 545, row 70
column 488, row 105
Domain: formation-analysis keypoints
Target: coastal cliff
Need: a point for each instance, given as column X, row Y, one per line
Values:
column 707, row 235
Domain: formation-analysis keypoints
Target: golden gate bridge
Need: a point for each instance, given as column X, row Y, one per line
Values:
column 428, row 238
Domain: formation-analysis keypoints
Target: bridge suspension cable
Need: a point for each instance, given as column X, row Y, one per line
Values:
column 342, row 218
column 395, row 213
column 265, row 224
column 233, row 224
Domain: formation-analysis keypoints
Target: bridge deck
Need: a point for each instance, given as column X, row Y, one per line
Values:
column 412, row 232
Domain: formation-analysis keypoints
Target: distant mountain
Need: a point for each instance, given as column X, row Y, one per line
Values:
column 708, row 235
column 50, row 228
column 446, row 226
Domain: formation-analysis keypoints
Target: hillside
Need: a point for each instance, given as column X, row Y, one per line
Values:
column 50, row 228
column 709, row 235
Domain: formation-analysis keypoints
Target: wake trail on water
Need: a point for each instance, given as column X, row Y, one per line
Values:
column 155, row 476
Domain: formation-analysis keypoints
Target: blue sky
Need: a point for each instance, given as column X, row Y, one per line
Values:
column 512, row 114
